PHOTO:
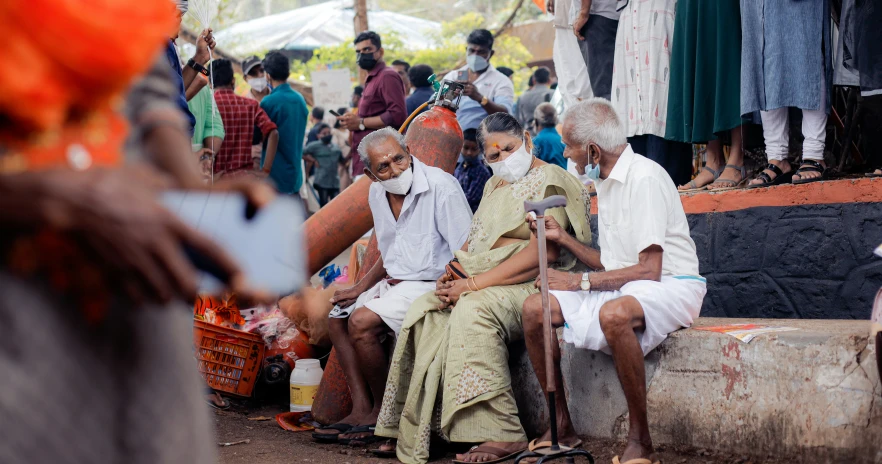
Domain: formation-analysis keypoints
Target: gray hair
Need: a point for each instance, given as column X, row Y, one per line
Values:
column 595, row 121
column 545, row 115
column 375, row 137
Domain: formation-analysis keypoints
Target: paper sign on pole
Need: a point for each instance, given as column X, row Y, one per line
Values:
column 331, row 89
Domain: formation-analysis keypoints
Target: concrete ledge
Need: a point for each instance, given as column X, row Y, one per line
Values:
column 813, row 393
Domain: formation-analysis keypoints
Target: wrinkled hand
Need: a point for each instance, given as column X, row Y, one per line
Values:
column 553, row 231
column 350, row 121
column 472, row 92
column 443, row 280
column 346, row 297
column 449, row 292
column 580, row 22
column 204, row 42
column 135, row 241
column 560, row 280
column 549, row 6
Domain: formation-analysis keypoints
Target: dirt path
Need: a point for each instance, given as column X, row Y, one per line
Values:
column 269, row 444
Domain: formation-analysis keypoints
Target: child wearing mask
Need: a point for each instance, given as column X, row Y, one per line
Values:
column 471, row 172
column 326, row 157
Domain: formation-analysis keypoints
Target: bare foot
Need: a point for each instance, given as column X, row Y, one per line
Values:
column 636, row 450
column 215, row 399
column 783, row 165
column 505, row 448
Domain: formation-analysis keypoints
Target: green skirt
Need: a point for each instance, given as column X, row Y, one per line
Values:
column 704, row 94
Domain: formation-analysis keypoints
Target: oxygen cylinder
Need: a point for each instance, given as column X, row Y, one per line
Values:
column 434, row 138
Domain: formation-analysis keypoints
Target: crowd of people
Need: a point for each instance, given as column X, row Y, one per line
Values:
column 95, row 269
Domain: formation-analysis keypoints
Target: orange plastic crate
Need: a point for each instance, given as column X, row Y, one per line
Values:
column 228, row 359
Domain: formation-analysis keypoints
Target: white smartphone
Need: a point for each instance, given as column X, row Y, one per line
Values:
column 268, row 245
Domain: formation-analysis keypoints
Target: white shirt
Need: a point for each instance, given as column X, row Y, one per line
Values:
column 605, row 8
column 434, row 222
column 638, row 206
column 642, row 66
column 491, row 84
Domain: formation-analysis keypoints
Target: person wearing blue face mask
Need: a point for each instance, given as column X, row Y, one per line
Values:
column 487, row 91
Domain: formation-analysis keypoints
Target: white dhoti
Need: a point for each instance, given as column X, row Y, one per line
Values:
column 390, row 302
column 668, row 305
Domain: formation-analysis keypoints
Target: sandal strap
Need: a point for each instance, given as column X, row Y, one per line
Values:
column 811, row 162
column 487, row 449
column 740, row 169
column 775, row 169
column 810, row 166
column 714, row 172
column 764, row 177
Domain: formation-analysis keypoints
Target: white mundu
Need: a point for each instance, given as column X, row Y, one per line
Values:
column 637, row 207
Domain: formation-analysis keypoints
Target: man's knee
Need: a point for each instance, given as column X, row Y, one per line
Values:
column 532, row 313
column 615, row 316
column 364, row 323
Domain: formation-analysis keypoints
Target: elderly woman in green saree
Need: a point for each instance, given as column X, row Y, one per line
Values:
column 449, row 376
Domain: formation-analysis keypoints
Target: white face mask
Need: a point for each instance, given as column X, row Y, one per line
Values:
column 477, row 63
column 515, row 166
column 259, row 84
column 399, row 185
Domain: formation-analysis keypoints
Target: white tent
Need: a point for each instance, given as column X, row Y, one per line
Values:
column 314, row 26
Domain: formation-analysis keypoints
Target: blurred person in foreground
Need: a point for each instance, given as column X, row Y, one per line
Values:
column 327, row 157
column 382, row 103
column 539, row 93
column 547, row 145
column 185, row 76
column 89, row 261
column 402, row 68
column 647, row 283
column 420, row 218
column 422, row 89
column 487, row 91
column 240, row 115
column 287, row 108
column 471, row 172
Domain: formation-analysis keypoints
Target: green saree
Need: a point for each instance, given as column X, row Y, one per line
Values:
column 449, row 372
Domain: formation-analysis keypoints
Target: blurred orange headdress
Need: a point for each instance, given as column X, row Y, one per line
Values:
column 72, row 57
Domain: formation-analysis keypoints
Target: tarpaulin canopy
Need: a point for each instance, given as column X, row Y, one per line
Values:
column 318, row 25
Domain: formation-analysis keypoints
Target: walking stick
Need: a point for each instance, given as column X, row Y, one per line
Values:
column 556, row 451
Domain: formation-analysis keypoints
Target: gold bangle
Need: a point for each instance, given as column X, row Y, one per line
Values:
column 475, row 282
column 468, row 285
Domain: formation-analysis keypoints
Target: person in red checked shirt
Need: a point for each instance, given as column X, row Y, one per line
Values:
column 240, row 115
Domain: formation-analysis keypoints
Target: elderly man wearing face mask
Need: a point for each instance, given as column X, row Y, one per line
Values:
column 421, row 217
column 487, row 91
column 449, row 376
column 646, row 283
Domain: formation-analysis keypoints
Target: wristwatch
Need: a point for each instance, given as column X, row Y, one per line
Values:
column 484, row 101
column 585, row 284
column 198, row 67
column 361, row 124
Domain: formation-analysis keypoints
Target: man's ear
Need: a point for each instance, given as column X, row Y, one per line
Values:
column 382, row 53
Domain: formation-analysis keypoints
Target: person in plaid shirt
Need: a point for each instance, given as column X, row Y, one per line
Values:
column 240, row 115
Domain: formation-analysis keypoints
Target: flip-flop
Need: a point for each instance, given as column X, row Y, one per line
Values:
column 490, row 450
column 384, row 453
column 215, row 406
column 615, row 460
column 363, row 440
column 693, row 187
column 331, row 437
column 810, row 166
column 533, row 445
column 874, row 173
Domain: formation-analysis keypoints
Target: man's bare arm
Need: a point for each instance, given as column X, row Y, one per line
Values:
column 648, row 267
column 587, row 255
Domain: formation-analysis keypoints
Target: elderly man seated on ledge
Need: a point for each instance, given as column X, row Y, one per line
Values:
column 646, row 285
column 421, row 216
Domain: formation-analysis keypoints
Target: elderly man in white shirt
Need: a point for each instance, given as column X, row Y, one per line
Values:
column 487, row 90
column 647, row 283
column 421, row 216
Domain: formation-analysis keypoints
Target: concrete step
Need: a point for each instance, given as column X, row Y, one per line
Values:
column 813, row 393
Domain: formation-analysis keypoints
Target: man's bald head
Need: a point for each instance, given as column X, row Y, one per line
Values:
column 383, row 149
